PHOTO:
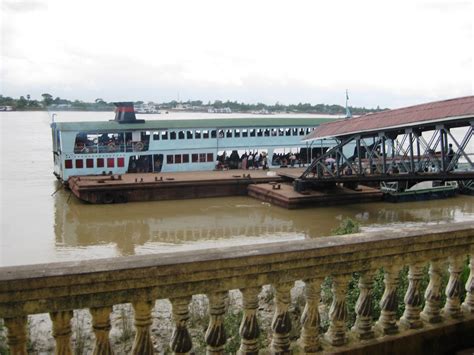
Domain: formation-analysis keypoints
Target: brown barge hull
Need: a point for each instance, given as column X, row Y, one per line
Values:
column 159, row 187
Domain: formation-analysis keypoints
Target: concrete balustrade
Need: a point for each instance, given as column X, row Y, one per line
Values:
column 60, row 288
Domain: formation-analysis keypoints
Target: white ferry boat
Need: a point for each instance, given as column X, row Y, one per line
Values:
column 128, row 145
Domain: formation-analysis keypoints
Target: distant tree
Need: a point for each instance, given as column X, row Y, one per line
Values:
column 100, row 101
column 47, row 99
column 21, row 103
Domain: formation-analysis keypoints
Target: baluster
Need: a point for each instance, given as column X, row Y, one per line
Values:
column 101, row 327
column 387, row 322
column 17, row 335
column 142, row 343
column 309, row 339
column 432, row 311
column 452, row 308
column 62, row 331
column 336, row 334
column 468, row 305
column 413, row 298
column 281, row 323
column 181, row 342
column 215, row 334
column 249, row 330
column 364, row 307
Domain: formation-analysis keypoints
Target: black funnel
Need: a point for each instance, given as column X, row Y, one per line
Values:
column 125, row 113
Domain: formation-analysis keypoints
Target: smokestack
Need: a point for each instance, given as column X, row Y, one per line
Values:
column 125, row 113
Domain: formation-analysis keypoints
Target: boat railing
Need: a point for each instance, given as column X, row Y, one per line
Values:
column 434, row 310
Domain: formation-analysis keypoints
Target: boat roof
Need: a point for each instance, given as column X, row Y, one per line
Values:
column 207, row 123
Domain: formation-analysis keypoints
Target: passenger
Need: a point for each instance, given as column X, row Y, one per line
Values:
column 292, row 160
column 250, row 161
column 244, row 161
column 450, row 156
column 256, row 161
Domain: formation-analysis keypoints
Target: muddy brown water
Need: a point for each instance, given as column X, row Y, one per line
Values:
column 40, row 226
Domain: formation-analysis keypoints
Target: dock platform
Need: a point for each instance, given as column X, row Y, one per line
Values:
column 283, row 195
column 274, row 186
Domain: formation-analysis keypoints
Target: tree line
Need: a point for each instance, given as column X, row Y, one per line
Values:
column 48, row 101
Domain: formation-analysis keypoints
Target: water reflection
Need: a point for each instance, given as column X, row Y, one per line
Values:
column 156, row 227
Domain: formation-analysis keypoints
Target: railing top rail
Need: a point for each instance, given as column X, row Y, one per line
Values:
column 286, row 251
column 97, row 283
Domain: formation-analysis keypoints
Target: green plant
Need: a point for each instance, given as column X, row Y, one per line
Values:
column 3, row 339
column 127, row 328
column 347, row 226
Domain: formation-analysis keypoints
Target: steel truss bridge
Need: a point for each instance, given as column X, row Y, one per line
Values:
column 421, row 151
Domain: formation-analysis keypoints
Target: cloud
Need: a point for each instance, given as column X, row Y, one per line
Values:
column 23, row 5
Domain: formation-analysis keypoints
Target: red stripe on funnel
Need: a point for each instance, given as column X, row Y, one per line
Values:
column 125, row 109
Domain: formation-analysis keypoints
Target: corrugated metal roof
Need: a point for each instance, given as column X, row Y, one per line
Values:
column 446, row 110
column 98, row 126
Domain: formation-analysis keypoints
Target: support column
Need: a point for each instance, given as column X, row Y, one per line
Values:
column 181, row 342
column 101, row 327
column 359, row 156
column 384, row 156
column 336, row 334
column 62, row 331
column 387, row 322
column 249, row 330
column 363, row 324
column 468, row 305
column 215, row 334
column 142, row 343
column 17, row 335
column 432, row 311
column 281, row 323
column 452, row 308
column 413, row 298
column 309, row 340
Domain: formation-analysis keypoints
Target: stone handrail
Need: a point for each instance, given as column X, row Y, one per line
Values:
column 60, row 288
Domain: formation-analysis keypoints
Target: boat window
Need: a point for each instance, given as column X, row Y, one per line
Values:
column 197, row 134
column 164, row 135
column 156, row 136
column 89, row 163
column 245, row 133
column 177, row 158
column 288, row 132
column 267, row 132
column 295, row 131
column 189, row 134
column 185, row 158
column 202, row 157
column 172, row 135
column 221, row 133
column 110, row 162
column 210, row 157
column 252, row 132
column 281, row 132
column 79, row 164
column 205, row 134
column 229, row 133
column 308, row 130
column 100, row 162
column 259, row 133
column 274, row 131
column 213, row 133
column 169, row 159
column 237, row 133
column 181, row 135
column 194, row 158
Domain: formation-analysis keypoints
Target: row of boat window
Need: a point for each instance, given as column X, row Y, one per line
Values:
column 230, row 133
column 94, row 163
column 139, row 141
column 184, row 158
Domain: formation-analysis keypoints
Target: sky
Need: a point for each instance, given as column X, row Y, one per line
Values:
column 386, row 53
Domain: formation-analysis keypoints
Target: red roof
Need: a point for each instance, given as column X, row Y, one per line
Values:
column 439, row 111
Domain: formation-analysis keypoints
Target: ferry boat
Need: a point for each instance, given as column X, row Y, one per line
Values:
column 128, row 145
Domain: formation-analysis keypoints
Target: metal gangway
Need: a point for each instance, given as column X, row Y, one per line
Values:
column 410, row 145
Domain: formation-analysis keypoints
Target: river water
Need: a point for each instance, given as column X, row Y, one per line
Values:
column 40, row 222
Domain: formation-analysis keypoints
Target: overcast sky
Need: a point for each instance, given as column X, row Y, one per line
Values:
column 387, row 53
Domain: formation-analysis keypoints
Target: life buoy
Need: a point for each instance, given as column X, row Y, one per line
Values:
column 111, row 147
column 138, row 146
